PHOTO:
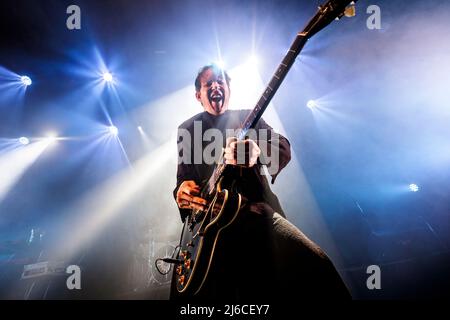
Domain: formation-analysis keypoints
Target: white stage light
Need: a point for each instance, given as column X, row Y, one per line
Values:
column 51, row 138
column 24, row 140
column 108, row 77
column 113, row 130
column 311, row 104
column 220, row 64
column 26, row 80
column 413, row 187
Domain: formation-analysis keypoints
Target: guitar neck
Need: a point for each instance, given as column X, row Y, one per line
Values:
column 270, row 90
column 325, row 15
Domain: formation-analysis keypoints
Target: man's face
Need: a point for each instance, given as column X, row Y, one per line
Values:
column 214, row 92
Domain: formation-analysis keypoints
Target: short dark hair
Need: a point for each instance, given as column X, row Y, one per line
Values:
column 216, row 69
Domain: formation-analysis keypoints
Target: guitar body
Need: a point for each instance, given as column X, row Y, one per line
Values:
column 201, row 233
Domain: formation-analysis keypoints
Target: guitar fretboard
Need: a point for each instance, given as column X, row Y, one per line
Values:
column 326, row 14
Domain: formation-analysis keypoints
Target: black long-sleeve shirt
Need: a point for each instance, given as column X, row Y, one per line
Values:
column 250, row 183
column 237, row 273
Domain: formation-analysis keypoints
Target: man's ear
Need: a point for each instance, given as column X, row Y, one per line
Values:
column 197, row 96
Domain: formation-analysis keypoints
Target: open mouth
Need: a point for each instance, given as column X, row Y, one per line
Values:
column 216, row 96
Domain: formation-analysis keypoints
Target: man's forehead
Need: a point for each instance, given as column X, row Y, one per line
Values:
column 211, row 74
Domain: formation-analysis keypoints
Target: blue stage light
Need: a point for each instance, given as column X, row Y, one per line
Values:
column 51, row 137
column 113, row 130
column 108, row 77
column 26, row 80
column 311, row 104
column 24, row 140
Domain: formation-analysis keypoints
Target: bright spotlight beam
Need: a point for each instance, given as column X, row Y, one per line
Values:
column 253, row 60
column 14, row 164
column 144, row 136
column 51, row 138
column 100, row 206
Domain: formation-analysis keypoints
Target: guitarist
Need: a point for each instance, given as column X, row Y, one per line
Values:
column 261, row 255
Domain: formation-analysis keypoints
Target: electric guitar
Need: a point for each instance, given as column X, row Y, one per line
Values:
column 202, row 229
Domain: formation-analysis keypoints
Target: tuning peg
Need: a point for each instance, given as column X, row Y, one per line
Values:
column 350, row 11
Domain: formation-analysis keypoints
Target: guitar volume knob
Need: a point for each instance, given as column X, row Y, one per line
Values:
column 181, row 280
column 179, row 270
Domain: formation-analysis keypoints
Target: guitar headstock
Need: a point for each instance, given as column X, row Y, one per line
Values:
column 333, row 9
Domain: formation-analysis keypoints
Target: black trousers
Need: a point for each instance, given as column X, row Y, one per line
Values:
column 265, row 257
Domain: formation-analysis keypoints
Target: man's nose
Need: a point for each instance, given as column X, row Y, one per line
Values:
column 215, row 85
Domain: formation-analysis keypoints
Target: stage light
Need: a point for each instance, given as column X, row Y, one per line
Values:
column 51, row 138
column 311, row 104
column 26, row 81
column 108, row 77
column 413, row 187
column 139, row 128
column 24, row 140
column 113, row 130
column 220, row 63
